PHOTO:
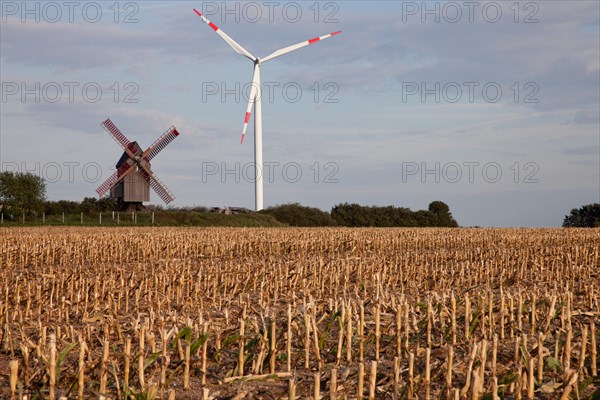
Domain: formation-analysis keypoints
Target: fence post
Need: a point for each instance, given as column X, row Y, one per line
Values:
column 82, row 218
column 117, row 218
column 23, row 218
column 44, row 218
column 2, row 217
column 135, row 218
column 113, row 215
column 100, row 218
column 152, row 217
column 63, row 218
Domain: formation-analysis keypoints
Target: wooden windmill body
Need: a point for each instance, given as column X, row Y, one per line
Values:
column 133, row 190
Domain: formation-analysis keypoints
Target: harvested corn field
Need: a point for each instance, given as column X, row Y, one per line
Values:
column 284, row 313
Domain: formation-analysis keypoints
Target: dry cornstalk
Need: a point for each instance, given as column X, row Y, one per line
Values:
column 361, row 379
column 333, row 385
column 594, row 350
column 272, row 349
column 571, row 382
column 540, row 364
column 292, row 389
column 52, row 367
column 361, row 332
column 14, row 376
column 476, row 385
column 530, row 381
column 427, row 373
column 372, row 380
column 104, row 368
column 248, row 378
column 317, row 386
column 340, row 344
column 467, row 385
column 453, row 317
column 204, row 351
column 289, row 339
column 411, row 376
column 449, row 366
column 81, row 369
column 141, row 358
column 241, row 355
column 567, row 353
column 583, row 349
column 186, row 368
column 377, row 331
column 127, row 361
column 396, row 392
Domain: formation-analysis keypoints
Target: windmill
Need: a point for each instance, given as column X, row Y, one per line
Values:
column 131, row 182
column 255, row 99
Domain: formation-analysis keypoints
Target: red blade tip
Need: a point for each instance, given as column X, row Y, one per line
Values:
column 336, row 33
column 198, row 12
column 242, row 141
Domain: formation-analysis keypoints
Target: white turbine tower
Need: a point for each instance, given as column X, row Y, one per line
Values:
column 255, row 98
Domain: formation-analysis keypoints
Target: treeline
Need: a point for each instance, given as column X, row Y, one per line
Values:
column 355, row 215
column 89, row 205
column 587, row 216
column 24, row 194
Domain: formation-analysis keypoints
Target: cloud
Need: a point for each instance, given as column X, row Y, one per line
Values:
column 593, row 150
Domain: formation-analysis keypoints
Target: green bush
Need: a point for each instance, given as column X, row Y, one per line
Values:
column 355, row 215
column 297, row 215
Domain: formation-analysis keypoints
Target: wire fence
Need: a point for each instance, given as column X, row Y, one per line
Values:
column 111, row 218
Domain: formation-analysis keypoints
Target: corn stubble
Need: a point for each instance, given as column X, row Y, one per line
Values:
column 299, row 313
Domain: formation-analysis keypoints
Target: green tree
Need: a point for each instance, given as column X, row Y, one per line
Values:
column 297, row 215
column 390, row 216
column 106, row 204
column 441, row 214
column 22, row 192
column 587, row 216
column 89, row 205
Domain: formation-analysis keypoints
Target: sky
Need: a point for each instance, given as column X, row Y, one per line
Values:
column 490, row 106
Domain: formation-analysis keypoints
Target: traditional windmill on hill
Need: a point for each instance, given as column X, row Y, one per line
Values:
column 131, row 182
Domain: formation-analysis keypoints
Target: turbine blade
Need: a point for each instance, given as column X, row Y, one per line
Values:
column 253, row 93
column 125, row 170
column 236, row 46
column 288, row 49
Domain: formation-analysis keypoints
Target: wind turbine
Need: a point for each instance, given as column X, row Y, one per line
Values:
column 255, row 99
